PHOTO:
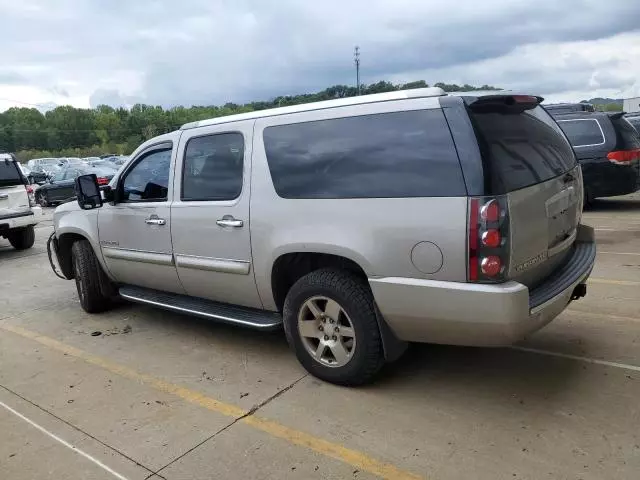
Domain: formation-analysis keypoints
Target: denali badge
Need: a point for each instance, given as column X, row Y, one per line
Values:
column 109, row 243
column 532, row 261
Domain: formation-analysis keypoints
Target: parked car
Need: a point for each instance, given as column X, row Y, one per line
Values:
column 608, row 149
column 18, row 214
column 358, row 224
column 61, row 186
column 33, row 176
column 46, row 165
column 564, row 108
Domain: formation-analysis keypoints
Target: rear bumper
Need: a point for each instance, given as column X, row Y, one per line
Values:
column 605, row 179
column 481, row 315
column 20, row 219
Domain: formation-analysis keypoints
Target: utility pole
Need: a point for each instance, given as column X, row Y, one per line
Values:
column 356, row 60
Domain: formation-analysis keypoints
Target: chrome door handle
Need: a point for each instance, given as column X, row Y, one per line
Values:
column 228, row 221
column 154, row 220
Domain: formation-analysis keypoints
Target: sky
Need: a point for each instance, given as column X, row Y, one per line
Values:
column 208, row 52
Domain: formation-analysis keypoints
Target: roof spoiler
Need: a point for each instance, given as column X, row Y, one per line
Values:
column 503, row 103
column 615, row 115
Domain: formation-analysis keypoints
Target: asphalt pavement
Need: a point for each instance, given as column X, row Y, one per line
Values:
column 139, row 393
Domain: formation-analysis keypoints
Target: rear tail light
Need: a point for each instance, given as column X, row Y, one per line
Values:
column 103, row 181
column 31, row 195
column 623, row 157
column 488, row 241
column 491, row 265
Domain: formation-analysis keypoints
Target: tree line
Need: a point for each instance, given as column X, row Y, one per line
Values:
column 79, row 132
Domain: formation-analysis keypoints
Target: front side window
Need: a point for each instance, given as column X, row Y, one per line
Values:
column 58, row 176
column 582, row 132
column 387, row 155
column 213, row 167
column 148, row 180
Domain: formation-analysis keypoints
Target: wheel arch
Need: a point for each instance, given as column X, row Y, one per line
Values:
column 290, row 267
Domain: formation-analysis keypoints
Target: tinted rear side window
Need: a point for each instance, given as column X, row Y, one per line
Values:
column 583, row 132
column 9, row 174
column 520, row 149
column 399, row 154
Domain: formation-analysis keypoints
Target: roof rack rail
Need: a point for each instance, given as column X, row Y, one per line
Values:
column 307, row 107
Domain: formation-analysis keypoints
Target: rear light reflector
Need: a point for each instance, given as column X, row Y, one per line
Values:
column 490, row 212
column 102, row 181
column 624, row 156
column 491, row 265
column 491, row 238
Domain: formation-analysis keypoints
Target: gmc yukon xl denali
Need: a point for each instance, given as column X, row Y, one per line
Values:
column 357, row 224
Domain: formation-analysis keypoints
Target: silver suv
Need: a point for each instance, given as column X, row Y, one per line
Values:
column 358, row 224
column 18, row 211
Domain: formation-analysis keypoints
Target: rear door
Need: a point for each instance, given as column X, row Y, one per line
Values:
column 210, row 214
column 527, row 158
column 13, row 195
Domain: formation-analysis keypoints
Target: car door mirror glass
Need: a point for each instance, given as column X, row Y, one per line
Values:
column 88, row 192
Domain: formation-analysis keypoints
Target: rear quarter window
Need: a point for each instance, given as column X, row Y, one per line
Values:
column 520, row 149
column 388, row 155
column 583, row 132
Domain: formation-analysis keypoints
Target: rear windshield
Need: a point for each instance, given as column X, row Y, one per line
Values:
column 9, row 174
column 583, row 132
column 520, row 149
column 635, row 121
column 627, row 136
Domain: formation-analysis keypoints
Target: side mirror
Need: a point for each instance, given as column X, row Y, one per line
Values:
column 88, row 192
column 108, row 193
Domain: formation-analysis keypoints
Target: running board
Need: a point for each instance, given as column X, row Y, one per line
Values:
column 222, row 312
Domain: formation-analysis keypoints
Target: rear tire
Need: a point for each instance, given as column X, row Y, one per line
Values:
column 89, row 275
column 309, row 307
column 23, row 238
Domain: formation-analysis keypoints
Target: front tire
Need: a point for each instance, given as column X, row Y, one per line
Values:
column 330, row 323
column 89, row 275
column 23, row 238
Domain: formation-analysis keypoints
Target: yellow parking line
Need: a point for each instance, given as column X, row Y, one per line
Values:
column 618, row 253
column 608, row 281
column 296, row 437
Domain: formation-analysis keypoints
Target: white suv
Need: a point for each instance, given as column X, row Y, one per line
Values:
column 18, row 215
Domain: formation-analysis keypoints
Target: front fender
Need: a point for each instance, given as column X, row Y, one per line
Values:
column 71, row 225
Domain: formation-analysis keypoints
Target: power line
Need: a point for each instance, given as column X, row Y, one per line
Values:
column 356, row 60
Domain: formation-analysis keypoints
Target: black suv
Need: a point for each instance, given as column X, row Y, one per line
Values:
column 608, row 149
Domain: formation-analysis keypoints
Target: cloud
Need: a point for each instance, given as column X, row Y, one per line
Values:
column 206, row 52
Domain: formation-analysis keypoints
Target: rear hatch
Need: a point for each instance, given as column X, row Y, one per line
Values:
column 627, row 141
column 13, row 194
column 531, row 168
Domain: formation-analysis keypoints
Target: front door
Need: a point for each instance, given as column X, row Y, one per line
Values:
column 135, row 232
column 210, row 214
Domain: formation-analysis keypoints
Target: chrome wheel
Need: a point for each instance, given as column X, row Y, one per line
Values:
column 326, row 331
